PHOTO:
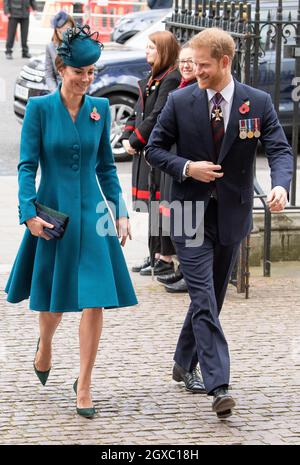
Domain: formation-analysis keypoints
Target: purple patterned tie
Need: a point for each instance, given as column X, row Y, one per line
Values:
column 217, row 124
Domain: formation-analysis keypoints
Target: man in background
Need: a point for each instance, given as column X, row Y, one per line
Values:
column 18, row 12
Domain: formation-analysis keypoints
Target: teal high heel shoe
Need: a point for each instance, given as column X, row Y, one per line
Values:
column 42, row 375
column 84, row 412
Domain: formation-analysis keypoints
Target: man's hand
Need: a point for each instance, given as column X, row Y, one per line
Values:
column 123, row 229
column 277, row 199
column 36, row 226
column 130, row 150
column 205, row 171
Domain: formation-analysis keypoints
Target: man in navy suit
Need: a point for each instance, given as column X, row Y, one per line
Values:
column 215, row 125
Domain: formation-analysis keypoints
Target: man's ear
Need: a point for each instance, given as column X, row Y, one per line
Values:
column 225, row 61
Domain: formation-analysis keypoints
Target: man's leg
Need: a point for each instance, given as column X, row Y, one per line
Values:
column 186, row 350
column 11, row 32
column 224, row 260
column 24, row 36
column 202, row 327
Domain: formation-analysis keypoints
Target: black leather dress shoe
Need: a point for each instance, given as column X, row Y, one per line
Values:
column 223, row 403
column 138, row 268
column 26, row 55
column 170, row 278
column 192, row 380
column 180, row 286
column 160, row 267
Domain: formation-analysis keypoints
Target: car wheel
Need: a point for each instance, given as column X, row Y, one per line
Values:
column 121, row 107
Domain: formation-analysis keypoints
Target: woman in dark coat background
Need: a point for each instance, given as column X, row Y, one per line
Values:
column 174, row 282
column 161, row 53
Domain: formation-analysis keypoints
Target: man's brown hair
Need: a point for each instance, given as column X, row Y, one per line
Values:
column 220, row 42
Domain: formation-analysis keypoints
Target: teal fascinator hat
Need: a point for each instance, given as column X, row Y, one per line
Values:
column 80, row 47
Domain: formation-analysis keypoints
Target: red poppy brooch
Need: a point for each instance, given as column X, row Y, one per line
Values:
column 245, row 107
column 95, row 115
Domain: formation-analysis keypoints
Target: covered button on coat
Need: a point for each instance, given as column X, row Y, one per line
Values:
column 86, row 268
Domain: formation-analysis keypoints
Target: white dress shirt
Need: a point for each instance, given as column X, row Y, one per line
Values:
column 226, row 104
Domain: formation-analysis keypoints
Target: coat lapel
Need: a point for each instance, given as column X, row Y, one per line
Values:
column 232, row 131
column 202, row 120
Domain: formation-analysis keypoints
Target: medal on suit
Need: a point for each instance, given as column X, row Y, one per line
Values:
column 257, row 132
column 250, row 133
column 243, row 129
column 217, row 114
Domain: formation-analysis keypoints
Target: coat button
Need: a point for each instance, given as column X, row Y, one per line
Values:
column 75, row 156
column 75, row 147
column 74, row 167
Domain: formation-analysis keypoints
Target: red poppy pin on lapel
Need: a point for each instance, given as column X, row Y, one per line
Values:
column 95, row 115
column 245, row 107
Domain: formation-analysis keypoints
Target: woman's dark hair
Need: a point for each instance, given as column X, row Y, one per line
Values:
column 167, row 51
column 55, row 37
column 59, row 64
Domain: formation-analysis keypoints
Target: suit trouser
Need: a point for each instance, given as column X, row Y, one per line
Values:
column 11, row 33
column 206, row 269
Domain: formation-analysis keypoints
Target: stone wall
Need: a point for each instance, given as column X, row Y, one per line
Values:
column 285, row 237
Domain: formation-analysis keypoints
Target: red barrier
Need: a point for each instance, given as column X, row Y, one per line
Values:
column 105, row 24
column 3, row 22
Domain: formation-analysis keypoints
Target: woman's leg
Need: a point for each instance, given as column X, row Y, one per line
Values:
column 167, row 249
column 166, row 258
column 48, row 323
column 89, row 336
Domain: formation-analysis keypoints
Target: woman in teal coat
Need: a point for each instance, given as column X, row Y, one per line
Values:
column 67, row 133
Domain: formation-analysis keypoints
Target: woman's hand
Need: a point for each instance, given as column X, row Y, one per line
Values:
column 123, row 229
column 126, row 144
column 36, row 226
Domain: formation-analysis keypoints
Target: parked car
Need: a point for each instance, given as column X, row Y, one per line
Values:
column 116, row 76
column 129, row 25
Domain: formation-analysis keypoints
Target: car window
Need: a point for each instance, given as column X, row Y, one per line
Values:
column 139, row 40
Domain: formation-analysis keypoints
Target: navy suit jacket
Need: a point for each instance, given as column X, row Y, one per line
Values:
column 185, row 122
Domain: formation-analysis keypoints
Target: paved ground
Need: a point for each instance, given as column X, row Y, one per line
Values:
column 136, row 400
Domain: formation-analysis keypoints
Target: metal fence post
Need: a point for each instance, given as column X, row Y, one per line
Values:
column 295, row 137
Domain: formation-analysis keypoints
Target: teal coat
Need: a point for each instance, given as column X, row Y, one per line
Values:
column 85, row 268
